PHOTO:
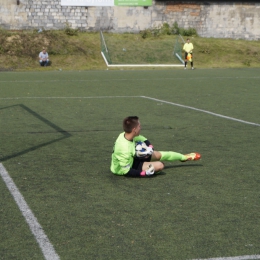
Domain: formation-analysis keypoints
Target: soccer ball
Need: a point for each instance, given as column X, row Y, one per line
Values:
column 140, row 149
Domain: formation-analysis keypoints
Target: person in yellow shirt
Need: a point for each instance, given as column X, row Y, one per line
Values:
column 188, row 48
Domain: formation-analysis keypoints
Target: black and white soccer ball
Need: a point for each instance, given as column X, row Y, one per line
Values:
column 140, row 149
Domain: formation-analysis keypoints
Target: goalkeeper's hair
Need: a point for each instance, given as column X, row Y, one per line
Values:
column 129, row 123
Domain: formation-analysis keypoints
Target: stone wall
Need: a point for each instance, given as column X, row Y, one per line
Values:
column 211, row 19
column 12, row 15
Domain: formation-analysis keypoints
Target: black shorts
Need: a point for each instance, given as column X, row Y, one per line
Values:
column 138, row 163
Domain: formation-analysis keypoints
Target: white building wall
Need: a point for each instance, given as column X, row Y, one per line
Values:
column 210, row 19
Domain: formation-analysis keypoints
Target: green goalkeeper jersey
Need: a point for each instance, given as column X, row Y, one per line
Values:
column 123, row 154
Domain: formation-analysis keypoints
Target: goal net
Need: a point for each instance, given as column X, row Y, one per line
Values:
column 177, row 51
column 131, row 50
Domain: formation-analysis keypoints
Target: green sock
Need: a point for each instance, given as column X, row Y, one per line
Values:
column 172, row 156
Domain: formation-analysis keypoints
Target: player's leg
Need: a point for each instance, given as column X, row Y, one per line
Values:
column 167, row 156
column 191, row 63
column 185, row 60
column 173, row 156
column 143, row 164
column 158, row 166
column 158, row 157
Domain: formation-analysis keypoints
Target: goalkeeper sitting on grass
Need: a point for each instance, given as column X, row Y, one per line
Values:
column 126, row 161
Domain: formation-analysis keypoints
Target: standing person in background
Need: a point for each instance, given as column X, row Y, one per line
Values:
column 188, row 47
column 44, row 57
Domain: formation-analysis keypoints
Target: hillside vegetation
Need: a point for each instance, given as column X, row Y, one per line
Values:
column 73, row 50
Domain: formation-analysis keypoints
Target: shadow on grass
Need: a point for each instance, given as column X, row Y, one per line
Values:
column 162, row 172
column 64, row 134
column 183, row 165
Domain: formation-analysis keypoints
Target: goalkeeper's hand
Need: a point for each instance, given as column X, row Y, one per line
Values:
column 142, row 154
column 149, row 150
column 150, row 170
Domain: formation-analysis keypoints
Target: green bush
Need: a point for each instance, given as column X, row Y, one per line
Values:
column 145, row 33
column 166, row 29
column 175, row 29
column 70, row 31
column 156, row 31
column 188, row 32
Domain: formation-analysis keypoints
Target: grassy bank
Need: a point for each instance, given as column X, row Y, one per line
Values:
column 19, row 50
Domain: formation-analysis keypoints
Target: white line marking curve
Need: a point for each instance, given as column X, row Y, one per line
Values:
column 43, row 241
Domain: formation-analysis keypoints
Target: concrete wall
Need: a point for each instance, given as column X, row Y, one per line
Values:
column 211, row 19
column 11, row 14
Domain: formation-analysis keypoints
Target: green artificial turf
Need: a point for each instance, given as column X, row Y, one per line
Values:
column 57, row 134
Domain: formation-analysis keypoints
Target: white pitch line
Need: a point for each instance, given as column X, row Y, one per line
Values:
column 69, row 97
column 201, row 110
column 155, row 99
column 43, row 241
column 123, row 79
column 244, row 257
